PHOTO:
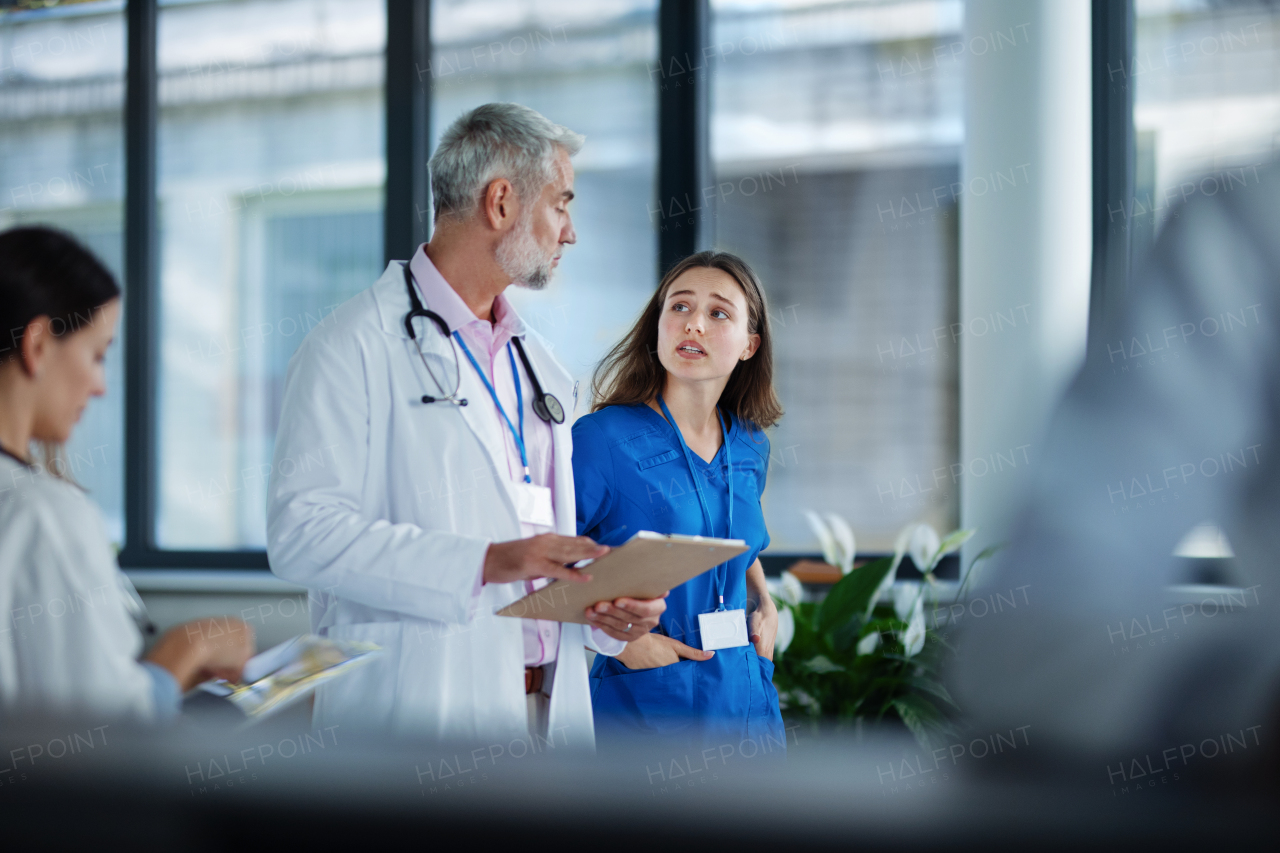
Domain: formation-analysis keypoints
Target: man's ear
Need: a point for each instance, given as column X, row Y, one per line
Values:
column 501, row 207
column 36, row 340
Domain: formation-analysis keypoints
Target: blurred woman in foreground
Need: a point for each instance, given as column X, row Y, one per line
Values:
column 69, row 640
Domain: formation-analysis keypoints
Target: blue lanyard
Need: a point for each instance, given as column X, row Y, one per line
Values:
column 515, row 374
column 720, row 577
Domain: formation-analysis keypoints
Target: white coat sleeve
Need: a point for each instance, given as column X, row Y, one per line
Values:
column 319, row 531
column 67, row 643
column 601, row 643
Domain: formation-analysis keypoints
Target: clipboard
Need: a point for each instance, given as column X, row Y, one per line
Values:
column 284, row 674
column 645, row 566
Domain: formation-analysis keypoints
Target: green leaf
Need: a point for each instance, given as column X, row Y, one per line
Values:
column 822, row 663
column 920, row 717
column 915, row 723
column 933, row 688
column 851, row 595
column 984, row 554
column 846, row 636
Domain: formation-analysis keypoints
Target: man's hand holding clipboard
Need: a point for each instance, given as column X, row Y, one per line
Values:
column 628, row 581
column 548, row 556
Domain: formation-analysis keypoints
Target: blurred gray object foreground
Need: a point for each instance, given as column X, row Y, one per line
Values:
column 281, row 787
column 1174, row 422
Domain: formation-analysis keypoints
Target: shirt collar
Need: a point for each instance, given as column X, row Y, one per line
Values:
column 438, row 295
column 16, row 458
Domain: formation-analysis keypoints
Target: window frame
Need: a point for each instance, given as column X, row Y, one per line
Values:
column 1114, row 155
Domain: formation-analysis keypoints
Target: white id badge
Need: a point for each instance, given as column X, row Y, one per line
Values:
column 533, row 504
column 723, row 629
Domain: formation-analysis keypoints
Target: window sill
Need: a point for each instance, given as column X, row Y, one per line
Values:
column 212, row 581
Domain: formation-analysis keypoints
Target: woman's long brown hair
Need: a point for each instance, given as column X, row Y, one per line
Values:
column 631, row 373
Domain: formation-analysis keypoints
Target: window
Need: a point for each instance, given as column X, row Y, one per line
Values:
column 1206, row 78
column 62, row 164
column 835, row 135
column 585, row 66
column 270, row 172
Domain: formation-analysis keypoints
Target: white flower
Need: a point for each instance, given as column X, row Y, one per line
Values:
column 825, row 539
column 791, row 590
column 905, row 595
column 913, row 640
column 952, row 543
column 869, row 643
column 805, row 700
column 846, row 544
column 835, row 537
column 786, row 629
column 923, row 547
column 899, row 548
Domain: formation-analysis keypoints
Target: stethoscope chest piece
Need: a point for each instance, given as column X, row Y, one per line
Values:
column 548, row 408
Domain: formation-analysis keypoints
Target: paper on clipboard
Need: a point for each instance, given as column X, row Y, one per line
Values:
column 646, row 566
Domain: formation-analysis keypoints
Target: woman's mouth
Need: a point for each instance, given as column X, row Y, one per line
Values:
column 690, row 350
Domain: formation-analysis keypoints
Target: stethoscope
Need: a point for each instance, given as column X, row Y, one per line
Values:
column 544, row 405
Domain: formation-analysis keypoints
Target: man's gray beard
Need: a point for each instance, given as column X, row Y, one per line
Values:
column 521, row 258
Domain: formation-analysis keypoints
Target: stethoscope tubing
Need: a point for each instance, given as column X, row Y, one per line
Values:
column 545, row 405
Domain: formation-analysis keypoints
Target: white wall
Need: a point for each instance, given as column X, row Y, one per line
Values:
column 1024, row 247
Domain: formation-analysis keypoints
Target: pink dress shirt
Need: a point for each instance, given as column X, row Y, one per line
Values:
column 488, row 343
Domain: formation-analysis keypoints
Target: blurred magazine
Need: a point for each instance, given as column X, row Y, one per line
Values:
column 290, row 671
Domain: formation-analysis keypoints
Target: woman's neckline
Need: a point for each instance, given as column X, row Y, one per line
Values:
column 727, row 433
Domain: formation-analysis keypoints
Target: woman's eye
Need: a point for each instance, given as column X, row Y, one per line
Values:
column 719, row 315
column 679, row 306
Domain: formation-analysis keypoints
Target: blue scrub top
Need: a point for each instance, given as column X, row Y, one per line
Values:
column 630, row 474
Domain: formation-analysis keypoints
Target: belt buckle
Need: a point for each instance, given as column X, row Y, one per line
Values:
column 533, row 676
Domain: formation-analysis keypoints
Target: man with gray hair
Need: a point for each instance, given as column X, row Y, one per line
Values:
column 445, row 490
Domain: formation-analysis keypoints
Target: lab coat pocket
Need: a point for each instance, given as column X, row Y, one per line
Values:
column 365, row 697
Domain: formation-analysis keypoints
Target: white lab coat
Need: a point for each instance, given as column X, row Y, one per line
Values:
column 67, row 640
column 384, row 506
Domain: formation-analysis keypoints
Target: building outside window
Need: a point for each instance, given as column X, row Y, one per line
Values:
column 836, row 131
column 62, row 164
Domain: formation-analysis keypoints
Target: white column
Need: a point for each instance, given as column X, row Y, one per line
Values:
column 1025, row 242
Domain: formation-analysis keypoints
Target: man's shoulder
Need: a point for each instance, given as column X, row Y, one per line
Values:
column 543, row 351
column 364, row 315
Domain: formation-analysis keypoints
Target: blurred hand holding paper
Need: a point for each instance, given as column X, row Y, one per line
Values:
column 644, row 567
column 290, row 671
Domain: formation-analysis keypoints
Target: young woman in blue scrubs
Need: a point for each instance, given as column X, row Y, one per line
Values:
column 675, row 444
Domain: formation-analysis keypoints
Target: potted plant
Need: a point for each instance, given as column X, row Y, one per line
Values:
column 852, row 657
